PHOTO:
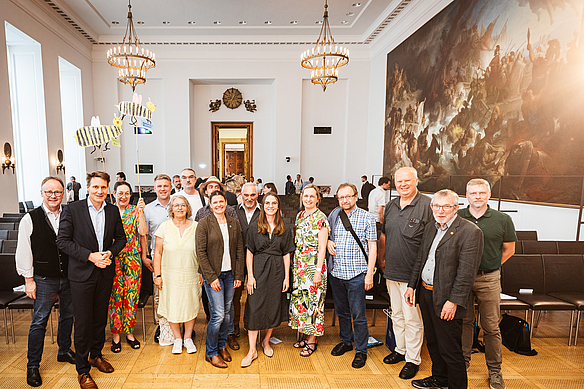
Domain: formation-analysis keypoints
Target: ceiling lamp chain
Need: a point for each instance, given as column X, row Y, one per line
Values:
column 325, row 57
column 131, row 58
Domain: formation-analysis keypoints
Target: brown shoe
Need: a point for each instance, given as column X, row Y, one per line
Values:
column 232, row 342
column 236, row 331
column 223, row 353
column 86, row 382
column 101, row 364
column 216, row 361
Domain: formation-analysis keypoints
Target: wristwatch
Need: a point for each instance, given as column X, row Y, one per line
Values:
column 157, row 276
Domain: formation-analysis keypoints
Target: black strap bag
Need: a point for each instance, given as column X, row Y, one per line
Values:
column 515, row 335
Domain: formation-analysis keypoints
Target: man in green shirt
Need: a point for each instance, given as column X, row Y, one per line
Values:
column 499, row 237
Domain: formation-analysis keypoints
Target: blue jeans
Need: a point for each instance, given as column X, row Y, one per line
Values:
column 48, row 290
column 349, row 299
column 220, row 307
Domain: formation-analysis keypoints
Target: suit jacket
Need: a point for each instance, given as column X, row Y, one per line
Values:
column 241, row 215
column 209, row 244
column 458, row 257
column 77, row 239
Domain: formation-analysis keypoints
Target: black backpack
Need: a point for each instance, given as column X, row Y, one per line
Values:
column 515, row 335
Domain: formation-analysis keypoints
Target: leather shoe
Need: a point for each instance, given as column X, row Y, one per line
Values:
column 409, row 371
column 33, row 377
column 69, row 356
column 224, row 354
column 86, row 382
column 216, row 361
column 232, row 342
column 394, row 358
column 236, row 331
column 359, row 360
column 157, row 334
column 340, row 349
column 101, row 364
column 428, row 383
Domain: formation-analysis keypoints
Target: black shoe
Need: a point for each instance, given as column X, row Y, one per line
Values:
column 394, row 358
column 33, row 377
column 157, row 334
column 340, row 349
column 428, row 383
column 193, row 335
column 69, row 356
column 359, row 360
column 409, row 371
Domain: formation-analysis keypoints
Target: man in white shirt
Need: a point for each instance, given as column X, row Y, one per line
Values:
column 155, row 214
column 44, row 268
column 378, row 197
column 188, row 178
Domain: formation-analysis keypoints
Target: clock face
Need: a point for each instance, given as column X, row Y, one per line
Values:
column 232, row 98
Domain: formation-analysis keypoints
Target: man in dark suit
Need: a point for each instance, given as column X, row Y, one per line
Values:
column 247, row 213
column 442, row 278
column 91, row 234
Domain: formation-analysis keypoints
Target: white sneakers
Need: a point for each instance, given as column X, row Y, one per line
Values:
column 189, row 345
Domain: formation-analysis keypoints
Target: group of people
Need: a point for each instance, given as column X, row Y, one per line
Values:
column 90, row 255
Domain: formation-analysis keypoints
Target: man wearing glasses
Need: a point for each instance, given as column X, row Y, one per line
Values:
column 442, row 279
column 351, row 267
column 44, row 268
column 188, row 178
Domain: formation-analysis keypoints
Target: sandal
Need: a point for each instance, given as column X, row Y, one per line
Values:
column 135, row 344
column 300, row 344
column 309, row 349
column 116, row 347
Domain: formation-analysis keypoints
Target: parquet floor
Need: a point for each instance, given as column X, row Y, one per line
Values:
column 154, row 367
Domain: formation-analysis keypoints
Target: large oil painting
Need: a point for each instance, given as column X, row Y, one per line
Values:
column 491, row 89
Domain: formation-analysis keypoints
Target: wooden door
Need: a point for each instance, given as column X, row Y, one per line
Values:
column 234, row 162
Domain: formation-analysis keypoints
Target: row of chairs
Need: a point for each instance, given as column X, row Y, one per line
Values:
column 8, row 246
column 548, row 282
column 549, row 247
column 26, row 206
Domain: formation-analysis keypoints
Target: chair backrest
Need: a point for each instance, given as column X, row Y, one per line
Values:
column 9, row 246
column 147, row 285
column 9, row 278
column 8, row 226
column 540, row 247
column 29, row 205
column 570, row 247
column 563, row 273
column 12, row 234
column 526, row 235
column 21, row 207
column 519, row 247
column 3, row 234
column 523, row 272
column 13, row 215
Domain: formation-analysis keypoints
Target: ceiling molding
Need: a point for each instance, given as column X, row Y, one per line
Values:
column 68, row 17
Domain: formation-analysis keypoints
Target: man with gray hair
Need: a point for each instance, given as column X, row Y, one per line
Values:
column 403, row 224
column 499, row 239
column 442, row 279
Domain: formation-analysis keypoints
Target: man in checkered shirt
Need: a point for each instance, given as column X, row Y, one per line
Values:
column 351, row 272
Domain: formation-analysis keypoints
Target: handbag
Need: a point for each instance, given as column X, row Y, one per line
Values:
column 166, row 336
column 515, row 335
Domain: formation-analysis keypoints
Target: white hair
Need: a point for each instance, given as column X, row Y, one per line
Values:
column 446, row 193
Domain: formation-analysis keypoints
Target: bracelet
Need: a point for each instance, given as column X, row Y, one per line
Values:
column 157, row 276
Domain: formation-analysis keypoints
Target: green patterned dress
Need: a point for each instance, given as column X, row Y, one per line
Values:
column 307, row 302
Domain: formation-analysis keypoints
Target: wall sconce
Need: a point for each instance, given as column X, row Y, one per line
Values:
column 60, row 165
column 8, row 160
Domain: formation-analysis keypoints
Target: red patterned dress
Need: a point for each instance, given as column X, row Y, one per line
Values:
column 126, row 287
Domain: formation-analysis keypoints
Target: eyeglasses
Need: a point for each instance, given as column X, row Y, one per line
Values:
column 179, row 205
column 50, row 193
column 446, row 207
column 187, row 177
column 346, row 198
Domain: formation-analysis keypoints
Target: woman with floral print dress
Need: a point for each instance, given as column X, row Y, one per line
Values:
column 309, row 275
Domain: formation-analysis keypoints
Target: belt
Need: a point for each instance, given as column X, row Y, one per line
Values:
column 427, row 287
column 483, row 272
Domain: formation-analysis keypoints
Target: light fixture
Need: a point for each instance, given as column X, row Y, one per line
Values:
column 8, row 160
column 131, row 58
column 60, row 166
column 268, row 22
column 325, row 57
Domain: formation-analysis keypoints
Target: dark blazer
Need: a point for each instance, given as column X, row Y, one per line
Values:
column 241, row 215
column 77, row 239
column 458, row 257
column 209, row 244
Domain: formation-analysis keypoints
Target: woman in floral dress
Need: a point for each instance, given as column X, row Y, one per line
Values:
column 309, row 275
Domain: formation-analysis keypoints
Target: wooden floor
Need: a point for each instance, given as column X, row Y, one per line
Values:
column 556, row 366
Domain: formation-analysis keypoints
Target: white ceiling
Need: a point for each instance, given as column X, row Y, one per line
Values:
column 351, row 20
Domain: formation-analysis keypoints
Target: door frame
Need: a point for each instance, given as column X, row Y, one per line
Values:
column 215, row 126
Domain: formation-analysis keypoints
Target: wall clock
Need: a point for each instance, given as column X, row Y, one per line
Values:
column 232, row 98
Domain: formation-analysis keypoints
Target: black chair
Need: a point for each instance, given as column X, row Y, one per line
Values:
column 563, row 280
column 29, row 206
column 7, row 226
column 8, row 280
column 527, row 272
column 21, row 207
column 513, row 304
column 13, row 215
column 540, row 247
column 526, row 235
column 146, row 290
column 3, row 234
column 8, row 246
column 12, row 234
column 570, row 247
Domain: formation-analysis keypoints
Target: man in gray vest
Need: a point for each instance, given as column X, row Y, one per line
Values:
column 44, row 268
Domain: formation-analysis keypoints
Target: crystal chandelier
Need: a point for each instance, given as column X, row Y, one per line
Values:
column 325, row 57
column 131, row 58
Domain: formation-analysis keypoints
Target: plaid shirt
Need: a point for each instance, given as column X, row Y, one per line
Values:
column 350, row 261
